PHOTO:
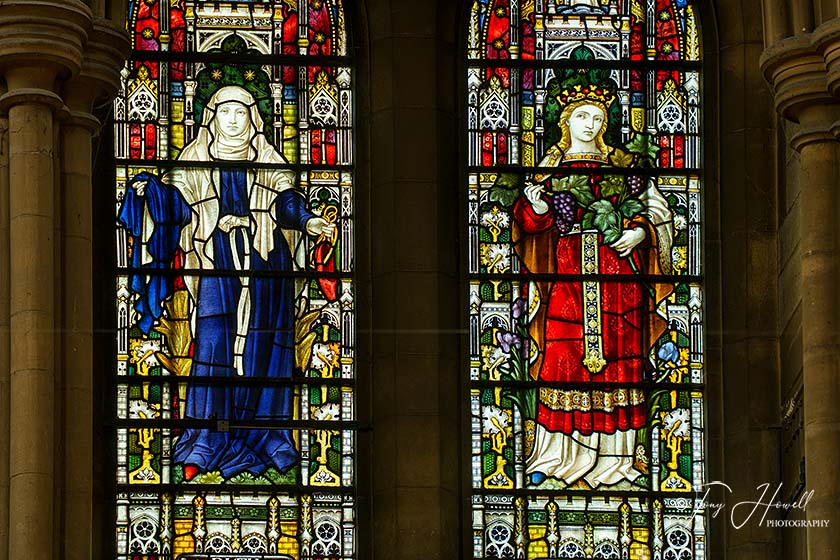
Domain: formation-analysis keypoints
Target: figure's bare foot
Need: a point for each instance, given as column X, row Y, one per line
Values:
column 189, row 472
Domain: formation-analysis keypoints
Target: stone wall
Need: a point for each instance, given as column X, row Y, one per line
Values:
column 771, row 233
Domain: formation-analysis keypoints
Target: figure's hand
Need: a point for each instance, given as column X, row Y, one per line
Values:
column 628, row 241
column 227, row 223
column 534, row 195
column 320, row 226
column 140, row 187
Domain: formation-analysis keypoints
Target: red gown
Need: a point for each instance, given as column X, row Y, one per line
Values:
column 624, row 307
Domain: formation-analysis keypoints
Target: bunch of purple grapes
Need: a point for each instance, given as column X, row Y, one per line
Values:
column 635, row 184
column 565, row 211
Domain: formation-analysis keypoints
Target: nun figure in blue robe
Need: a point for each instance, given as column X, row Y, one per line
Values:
column 239, row 219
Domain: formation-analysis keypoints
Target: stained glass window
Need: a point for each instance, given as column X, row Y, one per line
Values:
column 584, row 185
column 235, row 355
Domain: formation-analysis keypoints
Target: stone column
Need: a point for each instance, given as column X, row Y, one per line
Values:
column 40, row 43
column 798, row 74
column 105, row 53
column 32, row 319
column 820, row 244
column 4, row 336
column 777, row 20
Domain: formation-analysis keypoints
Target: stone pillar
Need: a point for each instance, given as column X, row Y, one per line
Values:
column 777, row 20
column 76, row 357
column 105, row 52
column 32, row 322
column 417, row 294
column 744, row 274
column 40, row 44
column 820, row 244
column 797, row 71
column 4, row 337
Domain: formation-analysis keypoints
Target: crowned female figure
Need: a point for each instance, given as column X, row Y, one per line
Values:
column 228, row 219
column 593, row 333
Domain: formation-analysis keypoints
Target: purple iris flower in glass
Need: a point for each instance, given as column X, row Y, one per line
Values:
column 508, row 340
column 518, row 308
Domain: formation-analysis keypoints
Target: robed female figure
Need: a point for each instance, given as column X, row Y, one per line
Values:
column 225, row 221
column 589, row 330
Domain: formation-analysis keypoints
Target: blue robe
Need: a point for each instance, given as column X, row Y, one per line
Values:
column 170, row 213
column 269, row 345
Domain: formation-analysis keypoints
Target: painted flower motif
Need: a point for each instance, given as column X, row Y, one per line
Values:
column 495, row 419
column 518, row 308
column 212, row 477
column 141, row 409
column 324, row 477
column 668, row 352
column 679, row 256
column 495, row 218
column 324, row 355
column 508, row 340
column 641, row 454
column 498, row 480
column 495, row 257
column 146, row 474
column 328, row 411
column 676, row 423
column 680, row 223
column 674, row 484
column 145, row 353
column 492, row 356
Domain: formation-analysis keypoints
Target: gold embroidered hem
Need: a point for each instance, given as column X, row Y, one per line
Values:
column 559, row 399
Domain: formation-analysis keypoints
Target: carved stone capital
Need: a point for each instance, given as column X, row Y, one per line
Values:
column 42, row 40
column 105, row 53
column 816, row 124
column 797, row 74
column 32, row 96
column 826, row 41
column 82, row 119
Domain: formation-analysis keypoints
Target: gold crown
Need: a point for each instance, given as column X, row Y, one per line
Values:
column 594, row 94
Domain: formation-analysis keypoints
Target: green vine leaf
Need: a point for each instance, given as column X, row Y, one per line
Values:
column 587, row 220
column 508, row 180
column 607, row 220
column 620, row 158
column 584, row 196
column 506, row 189
column 631, row 207
column 612, row 185
column 569, row 183
column 504, row 197
column 643, row 144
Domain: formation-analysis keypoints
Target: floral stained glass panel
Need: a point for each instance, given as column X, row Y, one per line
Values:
column 235, row 348
column 584, row 225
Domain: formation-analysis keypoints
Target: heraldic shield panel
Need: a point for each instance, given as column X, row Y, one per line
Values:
column 235, row 354
column 584, row 206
